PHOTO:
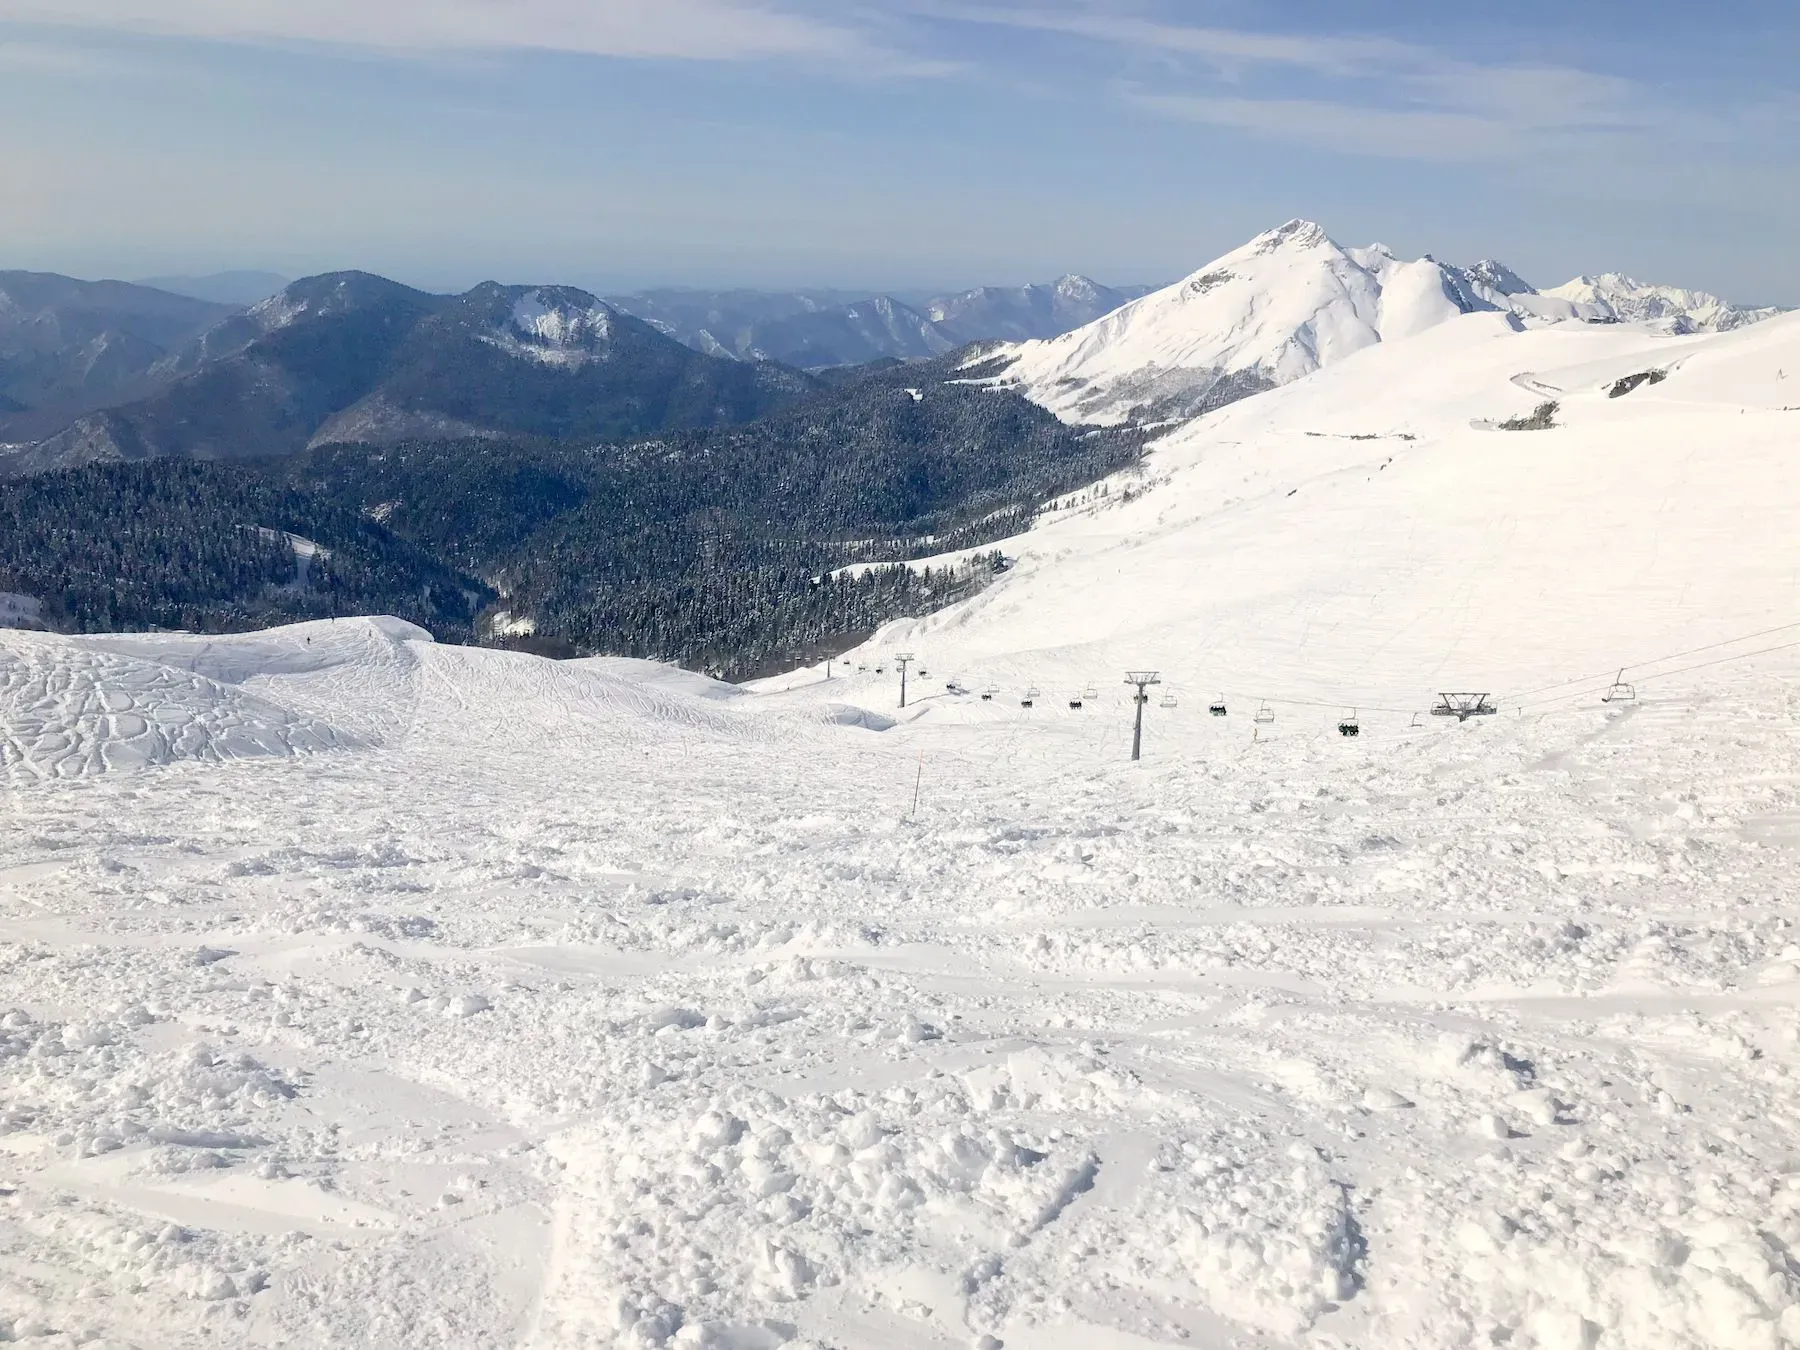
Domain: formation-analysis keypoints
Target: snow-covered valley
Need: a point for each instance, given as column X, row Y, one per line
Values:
column 362, row 991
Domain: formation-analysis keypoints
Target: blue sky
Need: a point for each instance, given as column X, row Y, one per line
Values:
column 910, row 143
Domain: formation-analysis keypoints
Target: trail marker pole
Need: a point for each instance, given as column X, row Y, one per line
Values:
column 903, row 660
column 1142, row 679
column 918, row 783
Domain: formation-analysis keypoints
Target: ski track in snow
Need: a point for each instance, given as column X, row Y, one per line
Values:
column 527, row 1004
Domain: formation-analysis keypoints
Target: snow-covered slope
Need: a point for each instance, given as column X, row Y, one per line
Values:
column 451, row 997
column 594, row 1004
column 1671, row 308
column 1368, row 535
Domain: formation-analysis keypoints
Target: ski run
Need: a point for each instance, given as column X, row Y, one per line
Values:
column 357, row 990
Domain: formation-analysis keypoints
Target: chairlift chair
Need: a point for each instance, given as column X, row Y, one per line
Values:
column 1168, row 700
column 1619, row 691
column 1265, row 714
column 1075, row 702
column 1217, row 706
column 1029, row 699
column 987, row 695
column 1090, row 692
column 1349, row 726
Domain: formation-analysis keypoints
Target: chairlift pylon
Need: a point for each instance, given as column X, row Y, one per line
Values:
column 1619, row 691
column 1463, row 706
column 1350, row 726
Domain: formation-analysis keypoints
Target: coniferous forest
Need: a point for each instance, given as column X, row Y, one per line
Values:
column 735, row 550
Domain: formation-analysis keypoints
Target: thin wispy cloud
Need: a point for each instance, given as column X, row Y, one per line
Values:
column 1347, row 93
column 1344, row 128
column 703, row 30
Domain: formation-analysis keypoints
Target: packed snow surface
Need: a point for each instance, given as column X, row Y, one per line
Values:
column 358, row 991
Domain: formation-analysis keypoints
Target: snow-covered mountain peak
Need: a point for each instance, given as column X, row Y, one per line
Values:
column 1499, row 278
column 559, row 318
column 1271, row 311
column 1077, row 288
column 1294, row 234
column 554, row 326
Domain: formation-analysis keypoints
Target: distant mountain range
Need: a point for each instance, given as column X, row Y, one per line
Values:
column 355, row 357
column 1289, row 302
column 640, row 475
column 818, row 329
column 106, row 371
column 68, row 346
column 102, row 371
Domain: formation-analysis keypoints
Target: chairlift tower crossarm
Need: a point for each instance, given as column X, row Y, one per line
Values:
column 1463, row 706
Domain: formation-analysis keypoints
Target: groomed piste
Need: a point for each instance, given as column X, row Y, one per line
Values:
column 361, row 991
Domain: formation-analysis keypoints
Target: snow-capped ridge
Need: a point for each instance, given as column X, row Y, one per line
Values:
column 1672, row 309
column 1288, row 303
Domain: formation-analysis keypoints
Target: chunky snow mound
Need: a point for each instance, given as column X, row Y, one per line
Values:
column 1369, row 535
column 1672, row 308
column 76, row 706
column 68, row 710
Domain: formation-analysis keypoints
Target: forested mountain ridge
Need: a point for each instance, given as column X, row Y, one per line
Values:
column 707, row 547
column 351, row 356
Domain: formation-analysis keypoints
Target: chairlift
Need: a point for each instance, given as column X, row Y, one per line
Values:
column 923, row 672
column 1168, row 700
column 1349, row 726
column 1265, row 714
column 987, row 695
column 1029, row 699
column 1463, row 706
column 1075, row 702
column 1217, row 706
column 1619, row 691
column 1416, row 722
column 1090, row 692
